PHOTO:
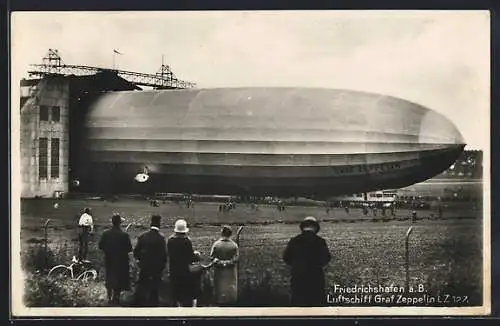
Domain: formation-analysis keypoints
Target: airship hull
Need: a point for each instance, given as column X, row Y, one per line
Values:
column 262, row 141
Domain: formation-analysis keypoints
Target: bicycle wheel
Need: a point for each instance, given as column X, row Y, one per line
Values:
column 88, row 275
column 60, row 271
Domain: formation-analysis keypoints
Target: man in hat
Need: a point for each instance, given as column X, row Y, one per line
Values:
column 151, row 252
column 181, row 255
column 116, row 246
column 307, row 254
column 85, row 226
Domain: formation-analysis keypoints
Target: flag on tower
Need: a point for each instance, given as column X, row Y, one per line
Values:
column 115, row 51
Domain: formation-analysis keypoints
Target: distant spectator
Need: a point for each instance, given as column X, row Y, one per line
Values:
column 413, row 216
column 116, row 246
column 365, row 208
column 307, row 254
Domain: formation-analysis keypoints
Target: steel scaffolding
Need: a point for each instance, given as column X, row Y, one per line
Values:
column 52, row 65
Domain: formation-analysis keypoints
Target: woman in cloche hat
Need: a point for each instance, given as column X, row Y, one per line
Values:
column 181, row 255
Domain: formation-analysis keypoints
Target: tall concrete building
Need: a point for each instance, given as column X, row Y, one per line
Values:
column 52, row 111
column 54, row 104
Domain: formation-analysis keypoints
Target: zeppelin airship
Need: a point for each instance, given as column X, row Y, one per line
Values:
column 261, row 141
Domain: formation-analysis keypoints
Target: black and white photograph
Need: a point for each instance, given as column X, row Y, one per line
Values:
column 250, row 163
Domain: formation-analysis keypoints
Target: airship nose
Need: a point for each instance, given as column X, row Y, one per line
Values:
column 437, row 129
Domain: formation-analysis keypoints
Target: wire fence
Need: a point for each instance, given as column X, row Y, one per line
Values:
column 443, row 253
column 441, row 256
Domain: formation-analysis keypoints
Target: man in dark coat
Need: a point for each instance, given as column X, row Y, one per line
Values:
column 116, row 246
column 151, row 252
column 307, row 254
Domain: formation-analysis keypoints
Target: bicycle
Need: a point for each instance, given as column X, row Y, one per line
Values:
column 75, row 267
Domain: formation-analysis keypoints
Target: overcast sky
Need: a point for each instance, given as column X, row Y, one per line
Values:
column 437, row 59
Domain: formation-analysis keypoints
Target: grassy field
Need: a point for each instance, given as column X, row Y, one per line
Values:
column 445, row 254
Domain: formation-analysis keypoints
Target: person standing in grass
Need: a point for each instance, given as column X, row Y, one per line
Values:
column 181, row 255
column 116, row 246
column 86, row 227
column 151, row 252
column 307, row 254
column 225, row 255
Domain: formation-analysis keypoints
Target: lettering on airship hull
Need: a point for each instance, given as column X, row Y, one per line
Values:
column 380, row 168
column 365, row 169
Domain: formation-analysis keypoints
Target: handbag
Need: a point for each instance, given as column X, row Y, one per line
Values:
column 195, row 267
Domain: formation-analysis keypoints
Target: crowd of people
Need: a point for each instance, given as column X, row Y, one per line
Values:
column 307, row 254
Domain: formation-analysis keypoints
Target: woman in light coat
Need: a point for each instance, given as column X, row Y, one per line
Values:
column 224, row 255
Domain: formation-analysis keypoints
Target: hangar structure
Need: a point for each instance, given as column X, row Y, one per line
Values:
column 52, row 104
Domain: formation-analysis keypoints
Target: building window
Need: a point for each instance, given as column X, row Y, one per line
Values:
column 54, row 158
column 42, row 158
column 56, row 114
column 44, row 113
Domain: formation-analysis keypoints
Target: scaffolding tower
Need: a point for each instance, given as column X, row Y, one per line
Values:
column 53, row 65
